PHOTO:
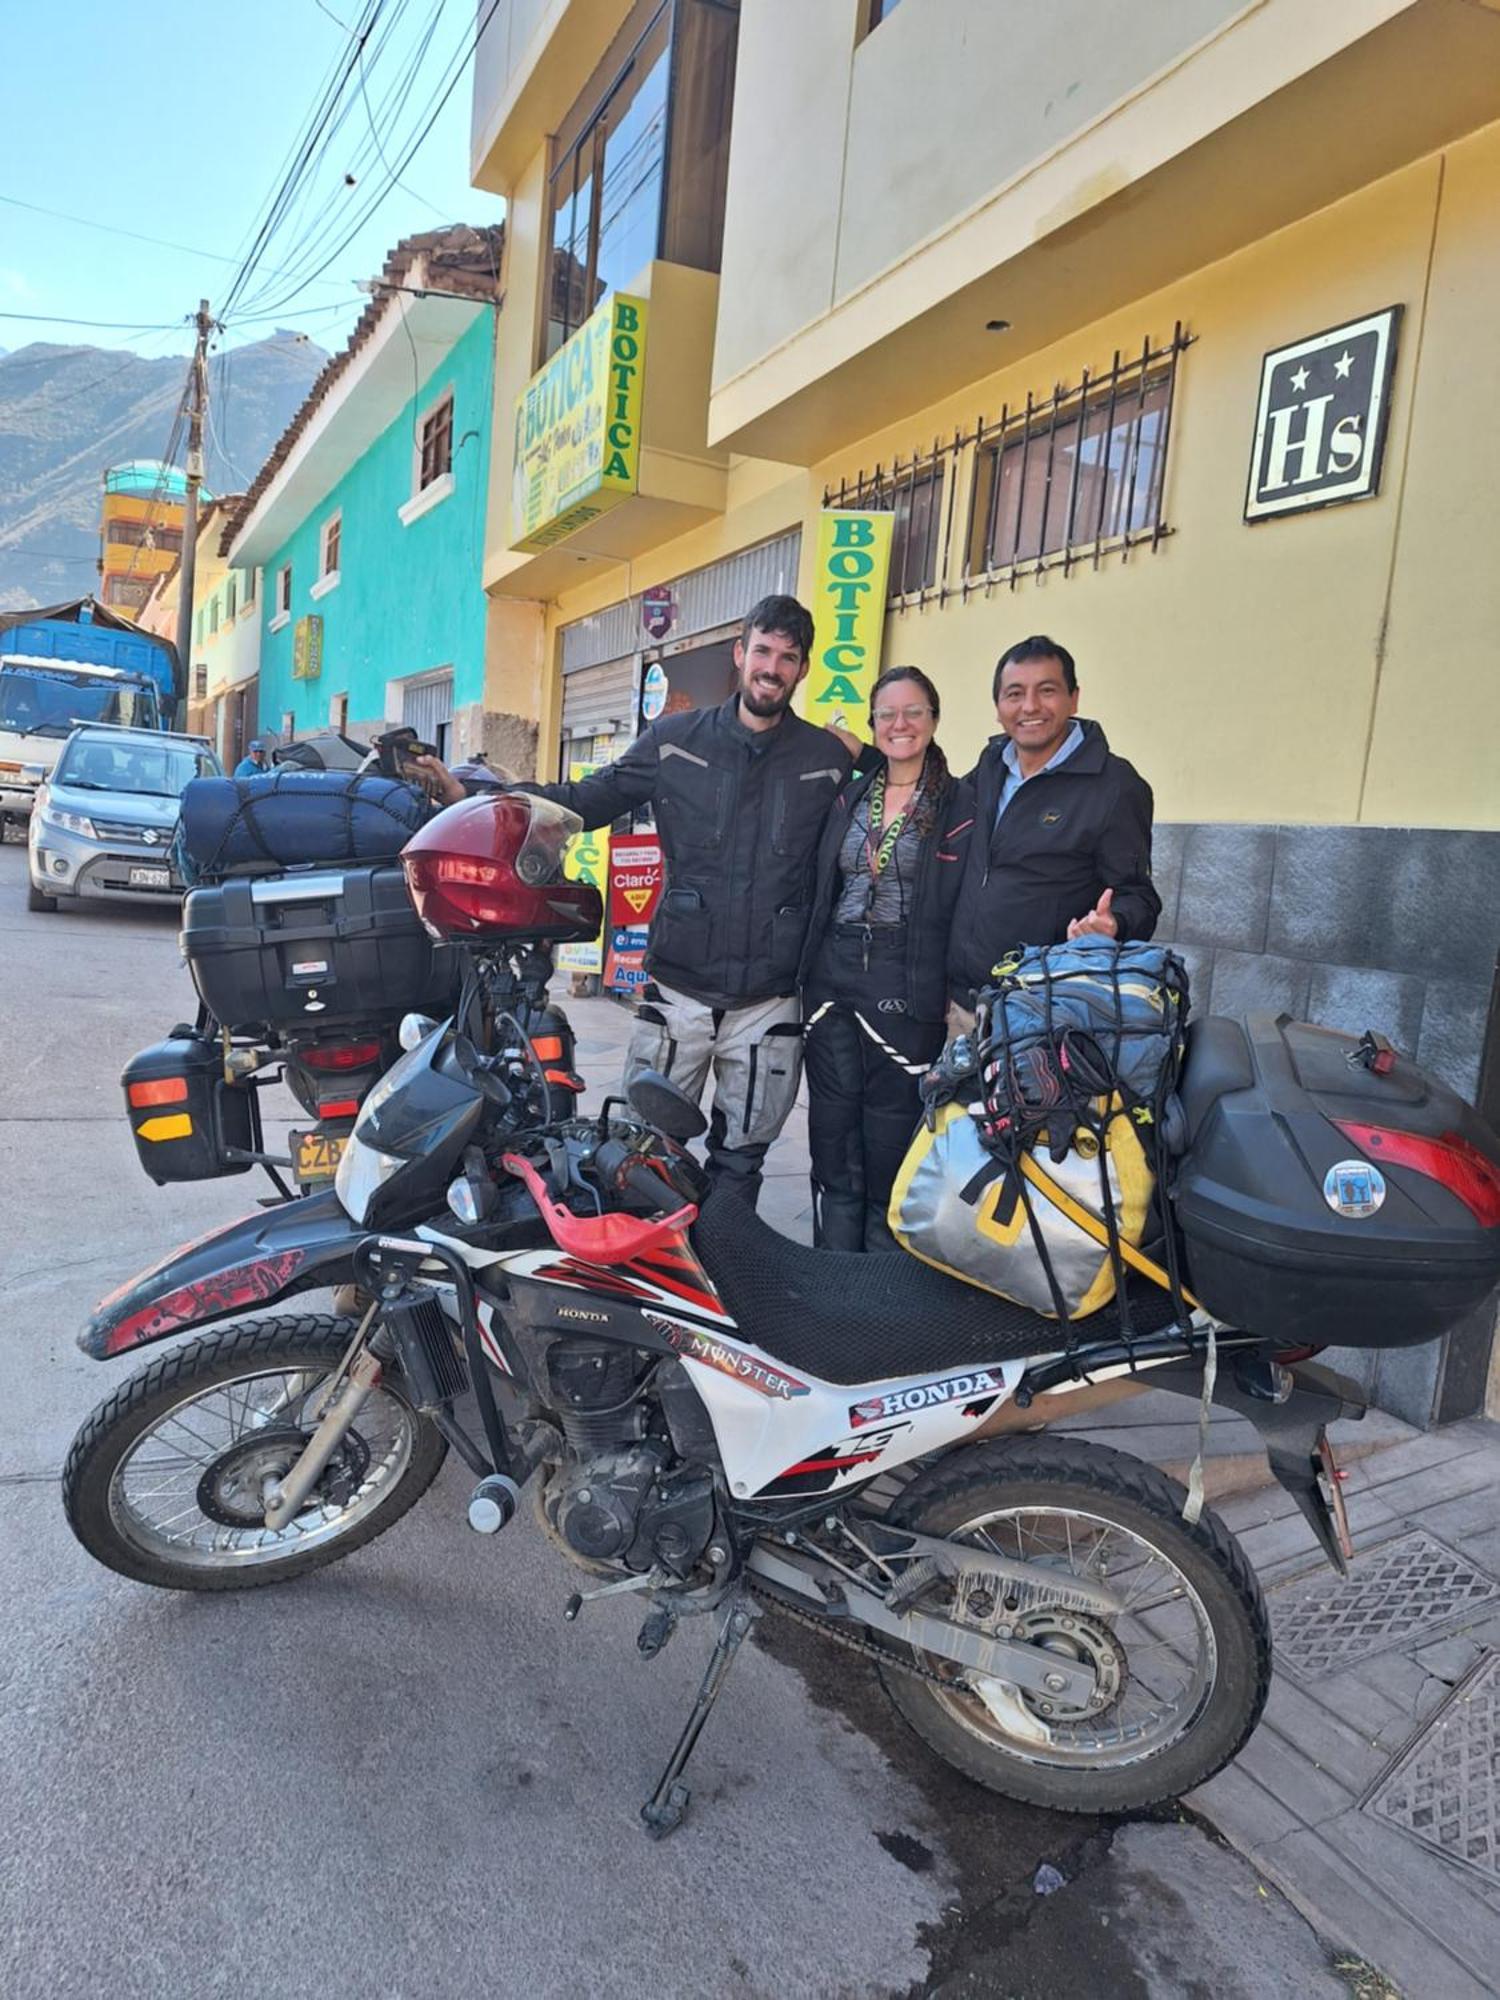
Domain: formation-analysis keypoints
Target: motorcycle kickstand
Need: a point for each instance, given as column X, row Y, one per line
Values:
column 663, row 1811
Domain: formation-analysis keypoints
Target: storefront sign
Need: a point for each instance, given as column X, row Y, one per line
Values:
column 635, row 878
column 848, row 608
column 307, row 647
column 625, row 961
column 578, row 427
column 1320, row 427
column 586, row 860
column 654, row 688
column 658, row 611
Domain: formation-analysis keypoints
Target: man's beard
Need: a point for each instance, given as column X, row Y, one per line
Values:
column 766, row 704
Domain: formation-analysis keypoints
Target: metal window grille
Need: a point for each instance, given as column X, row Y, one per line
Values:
column 1067, row 478
column 437, row 444
column 914, row 492
column 1076, row 476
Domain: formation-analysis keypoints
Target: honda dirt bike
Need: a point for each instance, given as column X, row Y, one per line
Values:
column 706, row 1415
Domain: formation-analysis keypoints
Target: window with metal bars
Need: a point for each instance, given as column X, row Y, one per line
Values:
column 1076, row 475
column 912, row 492
column 436, row 445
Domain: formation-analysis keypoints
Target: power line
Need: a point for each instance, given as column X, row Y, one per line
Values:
column 113, row 325
column 110, row 229
column 462, row 60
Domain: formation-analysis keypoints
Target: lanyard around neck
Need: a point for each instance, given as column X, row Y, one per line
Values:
column 877, row 858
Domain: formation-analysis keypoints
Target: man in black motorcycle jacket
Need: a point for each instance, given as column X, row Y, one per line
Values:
column 1062, row 827
column 740, row 794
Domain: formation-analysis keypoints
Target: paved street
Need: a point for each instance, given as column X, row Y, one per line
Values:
column 407, row 1775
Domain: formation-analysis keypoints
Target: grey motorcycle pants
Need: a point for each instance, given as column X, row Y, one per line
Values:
column 755, row 1055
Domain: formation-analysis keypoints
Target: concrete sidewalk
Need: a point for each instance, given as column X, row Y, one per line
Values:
column 1370, row 1794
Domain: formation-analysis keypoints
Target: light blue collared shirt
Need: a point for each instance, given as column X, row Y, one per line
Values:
column 1016, row 778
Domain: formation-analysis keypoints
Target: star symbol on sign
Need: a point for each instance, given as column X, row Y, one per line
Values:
column 1342, row 366
column 1299, row 380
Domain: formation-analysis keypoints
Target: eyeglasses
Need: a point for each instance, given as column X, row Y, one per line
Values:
column 898, row 714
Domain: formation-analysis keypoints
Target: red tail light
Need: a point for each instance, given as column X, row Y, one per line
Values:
column 343, row 1055
column 1451, row 1160
column 338, row 1107
column 164, row 1090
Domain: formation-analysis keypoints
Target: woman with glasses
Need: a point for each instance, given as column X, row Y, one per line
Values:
column 873, row 974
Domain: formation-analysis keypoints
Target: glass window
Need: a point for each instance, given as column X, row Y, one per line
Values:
column 231, row 598
column 703, row 96
column 436, row 455
column 613, row 202
column 213, row 612
column 1050, row 486
column 284, row 588
column 252, row 577
column 160, row 771
column 331, row 537
column 918, row 507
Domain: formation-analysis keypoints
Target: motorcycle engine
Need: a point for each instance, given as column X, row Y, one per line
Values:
column 633, row 1506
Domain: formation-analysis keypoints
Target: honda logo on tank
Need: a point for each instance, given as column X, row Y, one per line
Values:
column 1321, row 422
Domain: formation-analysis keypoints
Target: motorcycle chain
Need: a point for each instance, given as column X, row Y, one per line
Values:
column 884, row 1656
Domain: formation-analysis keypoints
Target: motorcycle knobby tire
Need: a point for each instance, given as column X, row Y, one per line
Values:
column 312, row 1341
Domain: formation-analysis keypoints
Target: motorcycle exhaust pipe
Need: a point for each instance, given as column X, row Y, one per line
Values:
column 1069, row 1401
column 285, row 1497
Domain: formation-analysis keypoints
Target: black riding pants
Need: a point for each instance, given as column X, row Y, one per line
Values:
column 863, row 1062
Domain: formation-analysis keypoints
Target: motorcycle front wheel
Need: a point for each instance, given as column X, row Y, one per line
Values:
column 166, row 1482
column 1182, row 1669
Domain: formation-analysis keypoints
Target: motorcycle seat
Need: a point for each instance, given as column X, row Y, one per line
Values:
column 851, row 1318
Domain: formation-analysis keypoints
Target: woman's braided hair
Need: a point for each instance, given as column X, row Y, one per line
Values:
column 935, row 768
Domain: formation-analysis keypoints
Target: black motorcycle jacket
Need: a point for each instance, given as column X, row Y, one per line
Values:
column 1065, row 837
column 739, row 813
column 934, row 890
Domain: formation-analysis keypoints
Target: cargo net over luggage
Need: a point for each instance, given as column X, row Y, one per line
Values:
column 1048, row 1132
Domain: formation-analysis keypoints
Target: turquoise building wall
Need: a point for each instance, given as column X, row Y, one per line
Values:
column 409, row 598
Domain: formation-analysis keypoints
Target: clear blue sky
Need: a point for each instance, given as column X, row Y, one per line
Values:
column 176, row 121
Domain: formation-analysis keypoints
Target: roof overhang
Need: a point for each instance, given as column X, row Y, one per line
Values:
column 407, row 344
column 1132, row 206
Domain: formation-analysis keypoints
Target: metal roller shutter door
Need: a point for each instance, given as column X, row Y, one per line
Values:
column 600, row 700
column 427, row 706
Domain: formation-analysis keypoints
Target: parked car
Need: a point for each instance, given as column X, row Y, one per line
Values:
column 104, row 820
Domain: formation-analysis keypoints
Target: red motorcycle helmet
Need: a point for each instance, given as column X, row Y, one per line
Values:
column 491, row 868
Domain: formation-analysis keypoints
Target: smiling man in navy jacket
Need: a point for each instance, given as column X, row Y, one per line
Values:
column 1068, row 851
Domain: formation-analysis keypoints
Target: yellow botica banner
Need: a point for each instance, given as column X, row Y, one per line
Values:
column 578, row 427
column 848, row 608
column 585, row 859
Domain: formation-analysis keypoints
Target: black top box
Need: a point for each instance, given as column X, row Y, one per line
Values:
column 313, row 947
column 1333, row 1194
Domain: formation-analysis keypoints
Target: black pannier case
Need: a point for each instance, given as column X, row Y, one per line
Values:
column 1312, row 1235
column 188, row 1123
column 313, row 947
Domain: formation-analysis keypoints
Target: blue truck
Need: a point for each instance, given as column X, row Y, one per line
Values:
column 72, row 663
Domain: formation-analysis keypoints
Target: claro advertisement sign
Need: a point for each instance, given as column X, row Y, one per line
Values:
column 578, row 427
column 848, row 608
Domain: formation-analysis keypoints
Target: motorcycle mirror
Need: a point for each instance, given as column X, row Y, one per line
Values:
column 414, row 1029
column 658, row 1100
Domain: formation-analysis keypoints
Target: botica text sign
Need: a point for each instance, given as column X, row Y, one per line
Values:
column 578, row 427
column 848, row 608
column 1321, row 423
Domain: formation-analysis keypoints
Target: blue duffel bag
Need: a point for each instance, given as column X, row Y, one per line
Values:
column 288, row 817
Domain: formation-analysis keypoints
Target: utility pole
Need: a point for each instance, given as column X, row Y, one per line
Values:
column 197, row 404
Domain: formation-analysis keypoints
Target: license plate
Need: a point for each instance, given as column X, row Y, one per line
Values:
column 150, row 878
column 316, row 1155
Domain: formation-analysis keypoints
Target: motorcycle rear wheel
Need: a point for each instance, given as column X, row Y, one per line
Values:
column 1178, row 1696
column 160, row 1484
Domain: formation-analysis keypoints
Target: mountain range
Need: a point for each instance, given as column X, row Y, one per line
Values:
column 67, row 413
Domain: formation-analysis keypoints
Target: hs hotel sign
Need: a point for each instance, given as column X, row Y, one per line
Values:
column 1320, row 427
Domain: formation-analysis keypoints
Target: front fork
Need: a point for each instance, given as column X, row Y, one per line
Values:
column 390, row 1268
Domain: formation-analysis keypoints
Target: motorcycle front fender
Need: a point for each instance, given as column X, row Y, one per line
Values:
column 299, row 1246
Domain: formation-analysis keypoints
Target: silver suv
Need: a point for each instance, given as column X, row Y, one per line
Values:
column 103, row 822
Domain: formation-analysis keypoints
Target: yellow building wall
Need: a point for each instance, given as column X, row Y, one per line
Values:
column 1248, row 670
